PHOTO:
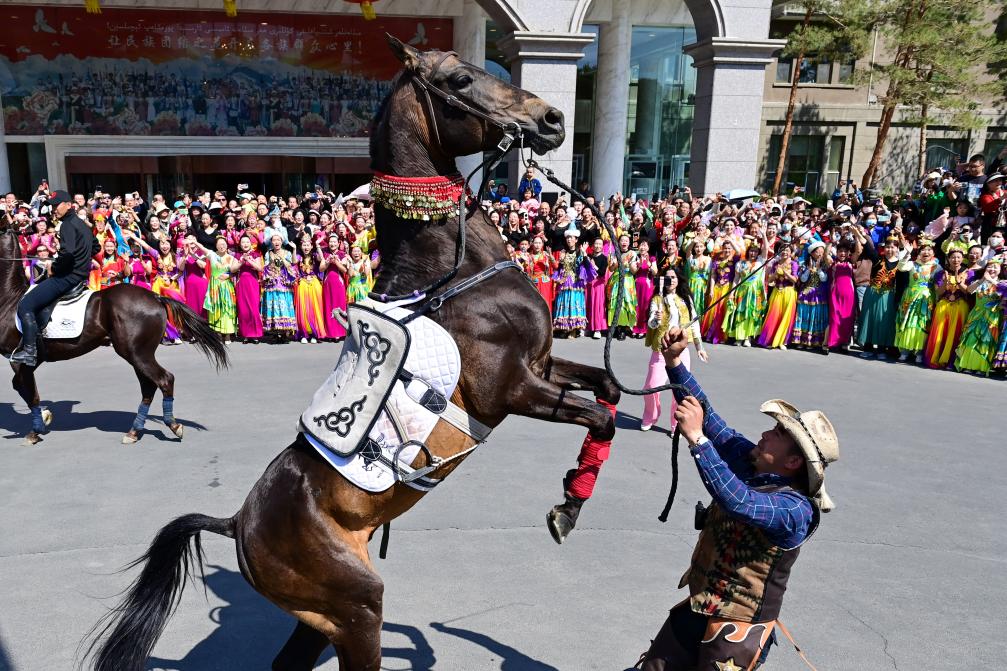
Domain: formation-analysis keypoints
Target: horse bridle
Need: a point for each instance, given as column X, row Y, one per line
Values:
column 511, row 129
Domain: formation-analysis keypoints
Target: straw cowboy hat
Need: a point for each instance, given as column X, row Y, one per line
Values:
column 817, row 440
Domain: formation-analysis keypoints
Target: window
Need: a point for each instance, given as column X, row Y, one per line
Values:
column 784, row 68
column 945, row 152
column 846, row 68
column 804, row 162
column 835, row 170
column 814, row 71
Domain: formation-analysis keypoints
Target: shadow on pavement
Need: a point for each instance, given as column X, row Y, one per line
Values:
column 510, row 658
column 108, row 421
column 251, row 631
column 5, row 663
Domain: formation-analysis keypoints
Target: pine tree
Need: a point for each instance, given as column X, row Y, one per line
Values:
column 941, row 48
column 823, row 34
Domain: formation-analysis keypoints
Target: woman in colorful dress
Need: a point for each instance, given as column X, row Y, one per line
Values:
column 645, row 275
column 248, row 268
column 982, row 328
column 917, row 307
column 812, row 319
column 220, row 303
column 308, row 295
column 950, row 314
column 721, row 280
column 166, row 282
column 111, row 266
column 360, row 276
column 626, row 320
column 877, row 316
column 141, row 268
column 572, row 276
column 278, row 315
column 333, row 267
column 746, row 307
column 698, row 266
column 194, row 276
column 541, row 266
column 671, row 307
column 843, row 293
column 782, row 277
column 597, row 303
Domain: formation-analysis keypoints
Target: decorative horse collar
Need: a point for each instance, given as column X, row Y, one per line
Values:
column 421, row 198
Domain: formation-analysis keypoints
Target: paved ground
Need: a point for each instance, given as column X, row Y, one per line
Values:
column 906, row 574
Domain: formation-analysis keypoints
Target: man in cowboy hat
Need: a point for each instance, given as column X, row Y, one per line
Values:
column 77, row 247
column 767, row 500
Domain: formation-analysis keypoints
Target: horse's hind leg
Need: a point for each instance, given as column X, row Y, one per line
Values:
column 146, row 366
column 599, row 417
column 24, row 385
column 147, row 390
column 302, row 649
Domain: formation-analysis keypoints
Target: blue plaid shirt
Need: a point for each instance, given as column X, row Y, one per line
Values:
column 727, row 472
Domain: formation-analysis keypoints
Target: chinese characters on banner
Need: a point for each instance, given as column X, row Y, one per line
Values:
column 149, row 72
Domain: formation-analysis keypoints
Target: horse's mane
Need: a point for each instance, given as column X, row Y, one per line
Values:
column 379, row 125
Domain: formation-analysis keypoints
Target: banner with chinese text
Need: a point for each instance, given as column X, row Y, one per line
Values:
column 150, row 72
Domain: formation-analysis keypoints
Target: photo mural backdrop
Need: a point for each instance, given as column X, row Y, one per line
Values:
column 151, row 72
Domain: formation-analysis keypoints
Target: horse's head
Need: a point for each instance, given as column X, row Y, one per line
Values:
column 471, row 108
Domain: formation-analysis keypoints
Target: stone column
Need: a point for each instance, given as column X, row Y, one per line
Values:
column 730, row 81
column 611, row 102
column 4, row 165
column 470, row 43
column 546, row 64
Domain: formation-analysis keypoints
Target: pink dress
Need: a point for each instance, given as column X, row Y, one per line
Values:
column 248, row 296
column 138, row 274
column 194, row 284
column 333, row 297
column 842, row 305
column 597, row 302
column 644, row 292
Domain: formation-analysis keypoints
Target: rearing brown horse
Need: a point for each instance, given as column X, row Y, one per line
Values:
column 303, row 531
column 128, row 317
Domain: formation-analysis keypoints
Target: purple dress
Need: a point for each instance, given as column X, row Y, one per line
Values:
column 194, row 283
column 248, row 296
column 333, row 297
column 644, row 292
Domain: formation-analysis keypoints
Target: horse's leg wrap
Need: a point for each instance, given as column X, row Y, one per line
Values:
column 141, row 417
column 593, row 453
column 168, row 410
column 37, row 423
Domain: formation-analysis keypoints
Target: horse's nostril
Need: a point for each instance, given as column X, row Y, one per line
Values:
column 554, row 117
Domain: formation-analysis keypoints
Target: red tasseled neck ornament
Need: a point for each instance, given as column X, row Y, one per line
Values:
column 420, row 198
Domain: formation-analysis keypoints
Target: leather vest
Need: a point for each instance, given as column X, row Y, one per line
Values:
column 737, row 572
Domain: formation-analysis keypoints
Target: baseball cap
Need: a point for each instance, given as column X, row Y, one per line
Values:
column 59, row 196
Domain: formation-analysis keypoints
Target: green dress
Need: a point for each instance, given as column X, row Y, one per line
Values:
column 917, row 308
column 627, row 317
column 221, row 308
column 699, row 284
column 746, row 308
column 982, row 327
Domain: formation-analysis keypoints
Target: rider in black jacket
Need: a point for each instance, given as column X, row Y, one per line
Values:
column 77, row 247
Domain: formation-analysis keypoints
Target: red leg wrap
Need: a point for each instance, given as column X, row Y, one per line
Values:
column 593, row 453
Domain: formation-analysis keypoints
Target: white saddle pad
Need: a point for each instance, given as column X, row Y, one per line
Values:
column 67, row 318
column 434, row 361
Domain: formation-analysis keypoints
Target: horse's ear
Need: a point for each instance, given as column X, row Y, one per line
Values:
column 409, row 56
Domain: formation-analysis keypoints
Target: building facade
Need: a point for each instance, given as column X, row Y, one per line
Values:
column 174, row 95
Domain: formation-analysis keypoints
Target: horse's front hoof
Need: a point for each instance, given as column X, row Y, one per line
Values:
column 33, row 438
column 177, row 429
column 46, row 416
column 130, row 438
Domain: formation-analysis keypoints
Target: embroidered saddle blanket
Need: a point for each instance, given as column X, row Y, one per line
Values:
column 65, row 317
column 389, row 388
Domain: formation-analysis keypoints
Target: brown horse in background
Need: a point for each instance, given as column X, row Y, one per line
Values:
column 128, row 317
column 303, row 531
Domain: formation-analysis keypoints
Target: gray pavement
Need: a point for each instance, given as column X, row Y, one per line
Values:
column 905, row 574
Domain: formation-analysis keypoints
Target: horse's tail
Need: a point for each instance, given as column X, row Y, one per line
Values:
column 194, row 326
column 125, row 637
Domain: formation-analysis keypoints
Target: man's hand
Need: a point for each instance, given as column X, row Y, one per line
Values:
column 673, row 344
column 689, row 416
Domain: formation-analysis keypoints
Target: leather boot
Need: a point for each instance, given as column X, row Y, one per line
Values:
column 563, row 518
column 27, row 353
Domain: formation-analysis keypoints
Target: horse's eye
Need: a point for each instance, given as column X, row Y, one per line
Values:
column 461, row 81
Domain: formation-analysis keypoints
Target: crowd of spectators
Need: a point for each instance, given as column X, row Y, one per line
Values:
column 918, row 277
